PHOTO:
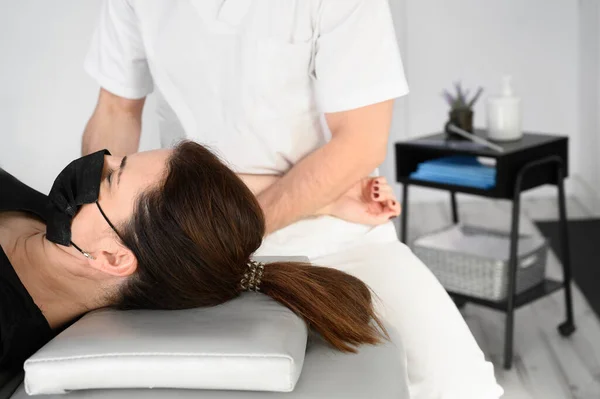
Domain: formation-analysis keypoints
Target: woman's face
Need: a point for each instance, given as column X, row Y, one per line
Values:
column 123, row 179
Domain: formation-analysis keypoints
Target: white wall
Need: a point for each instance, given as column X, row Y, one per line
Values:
column 537, row 41
column 589, row 105
column 45, row 96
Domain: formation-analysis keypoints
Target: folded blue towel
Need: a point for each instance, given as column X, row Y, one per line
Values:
column 457, row 170
column 468, row 171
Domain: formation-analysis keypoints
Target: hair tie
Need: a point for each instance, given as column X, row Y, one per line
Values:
column 253, row 277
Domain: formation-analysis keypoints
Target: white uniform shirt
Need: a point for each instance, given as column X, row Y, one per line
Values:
column 249, row 78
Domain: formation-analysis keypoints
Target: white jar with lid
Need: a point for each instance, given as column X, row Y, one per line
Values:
column 504, row 114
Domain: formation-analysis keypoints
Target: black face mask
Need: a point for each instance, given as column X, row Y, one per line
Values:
column 76, row 185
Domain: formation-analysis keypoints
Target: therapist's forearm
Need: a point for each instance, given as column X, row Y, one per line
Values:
column 117, row 133
column 258, row 183
column 358, row 146
column 115, row 125
column 315, row 182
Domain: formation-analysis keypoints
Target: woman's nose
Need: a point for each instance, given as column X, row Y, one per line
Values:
column 112, row 162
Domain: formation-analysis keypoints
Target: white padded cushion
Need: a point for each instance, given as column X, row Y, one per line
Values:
column 375, row 372
column 251, row 343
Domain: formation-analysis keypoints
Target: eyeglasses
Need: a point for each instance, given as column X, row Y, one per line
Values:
column 112, row 226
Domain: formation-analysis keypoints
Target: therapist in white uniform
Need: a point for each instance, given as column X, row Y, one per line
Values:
column 301, row 89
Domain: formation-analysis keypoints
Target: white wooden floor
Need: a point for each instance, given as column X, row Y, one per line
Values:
column 546, row 365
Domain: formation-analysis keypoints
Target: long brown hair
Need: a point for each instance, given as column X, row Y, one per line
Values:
column 193, row 235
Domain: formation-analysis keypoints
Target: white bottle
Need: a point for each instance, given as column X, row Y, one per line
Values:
column 504, row 114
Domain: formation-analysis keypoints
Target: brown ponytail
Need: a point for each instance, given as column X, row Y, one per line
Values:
column 193, row 234
column 335, row 304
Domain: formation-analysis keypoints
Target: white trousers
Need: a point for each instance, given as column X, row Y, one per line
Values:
column 444, row 360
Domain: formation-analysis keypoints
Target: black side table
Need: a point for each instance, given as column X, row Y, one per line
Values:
column 536, row 160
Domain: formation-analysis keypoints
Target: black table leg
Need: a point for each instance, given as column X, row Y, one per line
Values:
column 454, row 207
column 404, row 215
column 568, row 327
column 459, row 302
column 512, row 280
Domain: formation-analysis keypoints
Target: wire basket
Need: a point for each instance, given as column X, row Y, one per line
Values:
column 474, row 261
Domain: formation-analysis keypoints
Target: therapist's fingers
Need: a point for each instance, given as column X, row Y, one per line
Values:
column 382, row 212
column 378, row 183
column 382, row 192
column 395, row 207
column 392, row 208
column 389, row 206
column 386, row 214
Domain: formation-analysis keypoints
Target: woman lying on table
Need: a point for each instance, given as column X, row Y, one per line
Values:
column 165, row 229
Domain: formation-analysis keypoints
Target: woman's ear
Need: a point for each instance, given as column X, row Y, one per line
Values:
column 119, row 263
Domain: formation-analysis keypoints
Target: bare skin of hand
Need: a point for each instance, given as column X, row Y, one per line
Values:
column 371, row 201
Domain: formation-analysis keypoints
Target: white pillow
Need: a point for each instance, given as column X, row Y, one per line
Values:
column 251, row 343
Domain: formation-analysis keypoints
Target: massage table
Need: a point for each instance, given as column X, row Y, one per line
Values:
column 251, row 347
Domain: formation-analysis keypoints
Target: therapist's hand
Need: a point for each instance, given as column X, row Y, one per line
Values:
column 371, row 201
